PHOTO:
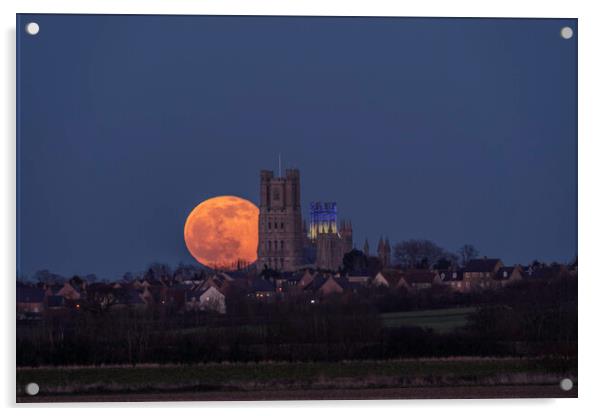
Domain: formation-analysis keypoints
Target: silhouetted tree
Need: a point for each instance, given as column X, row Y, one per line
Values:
column 47, row 277
column 418, row 253
column 158, row 272
column 374, row 266
column 354, row 261
column 467, row 252
column 128, row 277
column 91, row 278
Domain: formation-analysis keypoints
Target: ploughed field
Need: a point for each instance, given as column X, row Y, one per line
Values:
column 460, row 377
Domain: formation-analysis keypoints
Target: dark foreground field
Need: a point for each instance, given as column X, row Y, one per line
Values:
column 394, row 379
column 403, row 393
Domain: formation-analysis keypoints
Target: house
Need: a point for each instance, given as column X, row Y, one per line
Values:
column 262, row 289
column 287, row 281
column 233, row 275
column 130, row 297
column 147, row 295
column 380, row 280
column 30, row 300
column 453, row 279
column 147, row 283
column 306, row 279
column 219, row 281
column 479, row 273
column 547, row 272
column 326, row 285
column 417, row 279
column 209, row 299
column 507, row 275
column 362, row 279
column 52, row 289
column 387, row 278
column 73, row 289
column 172, row 297
column 55, row 302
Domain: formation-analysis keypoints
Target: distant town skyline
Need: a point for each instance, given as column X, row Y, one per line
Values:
column 451, row 130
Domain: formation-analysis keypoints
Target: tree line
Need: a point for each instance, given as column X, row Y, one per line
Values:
column 529, row 318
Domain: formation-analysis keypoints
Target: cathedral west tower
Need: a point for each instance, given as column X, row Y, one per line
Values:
column 280, row 224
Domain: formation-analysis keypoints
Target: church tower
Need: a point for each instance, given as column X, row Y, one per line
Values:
column 387, row 262
column 384, row 252
column 280, row 224
column 366, row 248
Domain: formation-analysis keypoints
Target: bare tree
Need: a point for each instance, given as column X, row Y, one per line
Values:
column 101, row 297
column 91, row 278
column 128, row 277
column 467, row 252
column 418, row 253
column 158, row 272
column 47, row 277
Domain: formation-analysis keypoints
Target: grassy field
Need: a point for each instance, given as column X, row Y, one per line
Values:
column 270, row 376
column 439, row 320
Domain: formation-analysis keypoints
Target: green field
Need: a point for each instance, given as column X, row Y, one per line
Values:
column 439, row 320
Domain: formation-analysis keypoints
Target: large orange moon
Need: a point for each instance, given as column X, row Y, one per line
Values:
column 223, row 231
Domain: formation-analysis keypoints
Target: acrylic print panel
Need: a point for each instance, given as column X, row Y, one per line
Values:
column 252, row 208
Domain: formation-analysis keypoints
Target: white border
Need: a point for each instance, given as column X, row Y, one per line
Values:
column 590, row 206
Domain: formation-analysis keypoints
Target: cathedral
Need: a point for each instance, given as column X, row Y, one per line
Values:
column 384, row 252
column 285, row 242
column 280, row 224
column 331, row 241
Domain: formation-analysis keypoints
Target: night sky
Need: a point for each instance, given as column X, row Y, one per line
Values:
column 455, row 130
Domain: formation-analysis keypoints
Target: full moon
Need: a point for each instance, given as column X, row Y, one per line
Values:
column 223, row 232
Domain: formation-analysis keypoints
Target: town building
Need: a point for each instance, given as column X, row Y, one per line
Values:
column 331, row 246
column 479, row 273
column 507, row 275
column 285, row 242
column 209, row 299
column 323, row 219
column 280, row 223
column 384, row 252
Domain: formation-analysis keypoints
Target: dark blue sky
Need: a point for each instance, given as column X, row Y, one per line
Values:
column 455, row 130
